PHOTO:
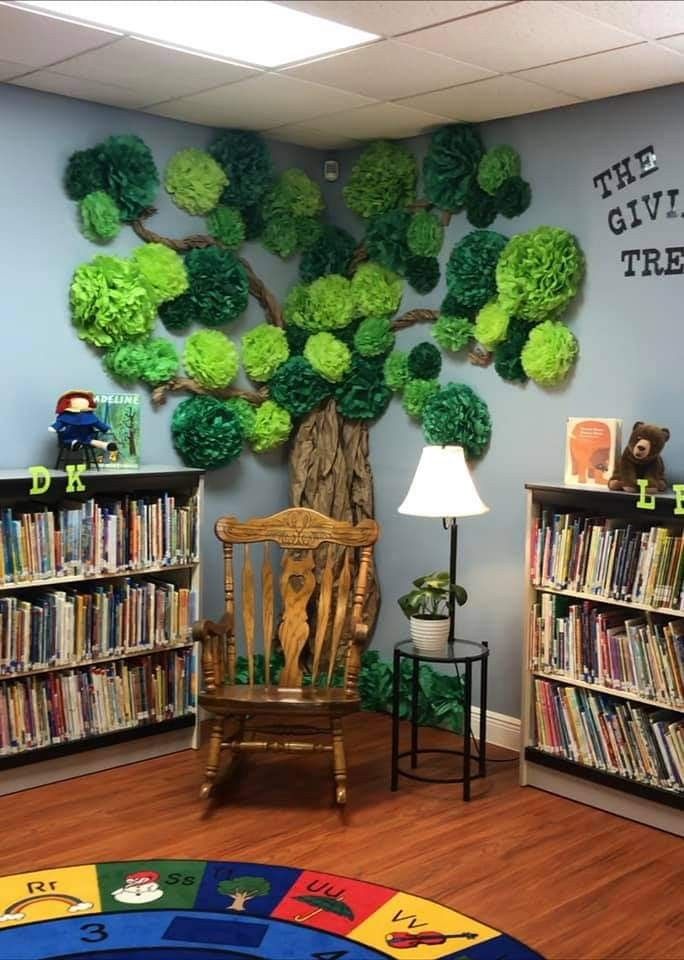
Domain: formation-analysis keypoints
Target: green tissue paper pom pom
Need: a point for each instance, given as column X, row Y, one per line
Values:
column 218, row 291
column 330, row 304
column 422, row 273
column 453, row 307
column 497, row 165
column 331, row 253
column 297, row 387
column 130, row 174
column 264, row 349
column 211, row 359
column 507, row 356
column 293, row 193
column 374, row 337
column 281, row 235
column 125, row 361
column 328, row 356
column 110, row 302
column 457, row 416
column 376, row 291
column 246, row 161
column 453, row 333
column 425, row 234
column 254, row 221
column 245, row 413
column 227, row 226
column 471, row 271
column 100, row 217
column 296, row 339
column 386, row 240
column 272, row 426
column 481, row 209
column 451, row 164
column 84, row 174
column 549, row 353
column 539, row 272
column 513, row 197
column 491, row 325
column 296, row 309
column 194, row 180
column 160, row 362
column 416, row 395
column 396, row 370
column 424, row 361
column 206, row 433
column 162, row 270
column 364, row 395
column 383, row 178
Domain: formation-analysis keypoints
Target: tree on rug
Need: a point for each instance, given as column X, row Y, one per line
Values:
column 243, row 889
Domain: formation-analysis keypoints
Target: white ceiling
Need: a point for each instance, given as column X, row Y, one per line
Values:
column 435, row 62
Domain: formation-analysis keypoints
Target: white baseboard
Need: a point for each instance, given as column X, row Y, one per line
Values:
column 502, row 730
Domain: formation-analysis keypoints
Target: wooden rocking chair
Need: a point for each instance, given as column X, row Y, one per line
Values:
column 319, row 637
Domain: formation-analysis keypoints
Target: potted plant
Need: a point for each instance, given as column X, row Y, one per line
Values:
column 427, row 607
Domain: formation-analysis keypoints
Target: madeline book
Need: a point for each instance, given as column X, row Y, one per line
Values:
column 122, row 412
column 591, row 450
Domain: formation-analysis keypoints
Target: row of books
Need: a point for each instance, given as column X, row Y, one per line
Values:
column 609, row 557
column 613, row 735
column 642, row 654
column 58, row 627
column 100, row 535
column 60, row 708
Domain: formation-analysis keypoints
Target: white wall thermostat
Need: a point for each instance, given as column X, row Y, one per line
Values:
column 331, row 170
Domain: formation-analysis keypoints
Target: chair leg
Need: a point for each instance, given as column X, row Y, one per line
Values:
column 214, row 757
column 339, row 762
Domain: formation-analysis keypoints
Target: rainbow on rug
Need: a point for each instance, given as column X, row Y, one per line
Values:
column 225, row 910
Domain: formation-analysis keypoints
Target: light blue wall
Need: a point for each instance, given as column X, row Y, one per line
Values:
column 41, row 355
column 631, row 334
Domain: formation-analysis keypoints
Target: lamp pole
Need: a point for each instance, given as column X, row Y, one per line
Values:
column 450, row 524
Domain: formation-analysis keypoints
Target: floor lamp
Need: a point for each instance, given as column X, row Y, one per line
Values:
column 442, row 488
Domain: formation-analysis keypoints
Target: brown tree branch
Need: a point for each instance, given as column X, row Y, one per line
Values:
column 160, row 393
column 199, row 241
column 359, row 256
column 414, row 316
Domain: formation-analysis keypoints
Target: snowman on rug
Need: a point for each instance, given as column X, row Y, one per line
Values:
column 139, row 887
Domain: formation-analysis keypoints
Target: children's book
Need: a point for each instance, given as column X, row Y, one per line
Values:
column 591, row 450
column 122, row 412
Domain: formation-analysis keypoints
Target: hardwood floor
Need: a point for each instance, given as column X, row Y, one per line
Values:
column 572, row 882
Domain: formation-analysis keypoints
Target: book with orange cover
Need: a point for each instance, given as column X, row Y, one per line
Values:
column 591, row 450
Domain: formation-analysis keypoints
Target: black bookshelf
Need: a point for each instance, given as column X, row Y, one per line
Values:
column 624, row 784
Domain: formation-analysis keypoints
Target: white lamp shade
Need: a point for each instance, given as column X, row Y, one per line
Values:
column 442, row 486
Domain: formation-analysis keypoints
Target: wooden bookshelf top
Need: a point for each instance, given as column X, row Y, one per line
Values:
column 609, row 691
column 86, row 578
column 10, row 474
column 569, row 488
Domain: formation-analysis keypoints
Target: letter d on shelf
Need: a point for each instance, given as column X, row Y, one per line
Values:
column 41, row 480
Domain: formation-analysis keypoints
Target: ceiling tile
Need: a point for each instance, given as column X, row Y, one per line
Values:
column 521, row 35
column 39, row 41
column 10, row 69
column 489, row 99
column 50, row 82
column 614, row 72
column 260, row 102
column 674, row 43
column 388, row 70
column 155, row 72
column 307, row 136
column 649, row 18
column 380, row 120
column 389, row 19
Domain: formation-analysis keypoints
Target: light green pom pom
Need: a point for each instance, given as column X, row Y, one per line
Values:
column 497, row 165
column 227, row 226
column 382, row 179
column 296, row 307
column 539, row 272
column 425, row 234
column 211, row 358
column 160, row 362
column 491, row 325
column 416, row 395
column 328, row 356
column 125, row 361
column 163, row 271
column 396, row 370
column 100, row 217
column 245, row 413
column 264, row 349
column 194, row 180
column 376, row 291
column 110, row 302
column 330, row 303
column 549, row 353
column 272, row 426
column 293, row 193
column 453, row 333
column 374, row 337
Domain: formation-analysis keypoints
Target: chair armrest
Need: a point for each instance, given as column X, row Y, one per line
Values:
column 213, row 636
column 204, row 630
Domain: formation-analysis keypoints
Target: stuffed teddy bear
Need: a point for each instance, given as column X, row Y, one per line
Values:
column 641, row 459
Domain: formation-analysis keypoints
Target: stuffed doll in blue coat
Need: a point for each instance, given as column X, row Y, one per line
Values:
column 76, row 424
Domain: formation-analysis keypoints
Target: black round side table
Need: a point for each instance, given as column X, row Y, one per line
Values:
column 465, row 652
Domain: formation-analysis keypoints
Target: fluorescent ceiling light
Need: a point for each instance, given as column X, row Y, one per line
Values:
column 252, row 31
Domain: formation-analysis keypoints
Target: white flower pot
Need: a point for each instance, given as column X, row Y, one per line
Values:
column 429, row 634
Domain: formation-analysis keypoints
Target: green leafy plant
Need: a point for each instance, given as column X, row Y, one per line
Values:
column 429, row 599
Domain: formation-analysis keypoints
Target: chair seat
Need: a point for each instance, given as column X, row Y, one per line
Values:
column 242, row 698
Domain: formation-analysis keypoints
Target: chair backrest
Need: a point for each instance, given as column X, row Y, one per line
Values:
column 322, row 588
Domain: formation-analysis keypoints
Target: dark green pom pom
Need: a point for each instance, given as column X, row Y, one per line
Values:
column 481, row 208
column 246, row 161
column 471, row 271
column 513, row 197
column 451, row 164
column 424, row 362
column 453, row 307
column 507, row 362
column 131, row 177
column 297, row 387
column 206, row 433
column 386, row 239
column 330, row 254
column 84, row 173
column 457, row 416
column 296, row 338
column 364, row 395
column 422, row 273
